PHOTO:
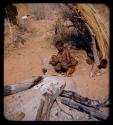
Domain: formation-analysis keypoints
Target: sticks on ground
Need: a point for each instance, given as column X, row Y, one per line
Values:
column 64, row 110
column 14, row 88
column 83, row 108
column 83, row 100
column 44, row 114
column 40, row 109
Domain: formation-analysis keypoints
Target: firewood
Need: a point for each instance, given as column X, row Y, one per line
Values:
column 64, row 110
column 53, row 98
column 45, row 108
column 48, row 103
column 15, row 88
column 84, row 100
column 27, row 102
column 82, row 108
column 40, row 109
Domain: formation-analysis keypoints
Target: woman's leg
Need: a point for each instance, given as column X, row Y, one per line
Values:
column 64, row 67
column 54, row 60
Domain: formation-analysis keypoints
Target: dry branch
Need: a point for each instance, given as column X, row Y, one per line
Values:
column 94, row 48
column 64, row 110
column 83, row 100
column 40, row 109
column 83, row 108
column 15, row 88
column 49, row 101
column 27, row 101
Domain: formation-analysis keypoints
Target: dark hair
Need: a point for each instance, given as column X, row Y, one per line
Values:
column 59, row 43
column 103, row 64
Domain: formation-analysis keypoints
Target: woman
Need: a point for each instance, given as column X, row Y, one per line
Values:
column 63, row 61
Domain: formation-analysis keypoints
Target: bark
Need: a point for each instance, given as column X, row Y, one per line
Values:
column 48, row 103
column 84, row 100
column 85, row 109
column 94, row 48
column 39, row 112
column 15, row 88
column 26, row 102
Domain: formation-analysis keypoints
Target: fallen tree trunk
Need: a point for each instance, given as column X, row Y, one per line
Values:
column 82, row 108
column 27, row 105
column 15, row 88
column 23, row 105
column 83, row 100
column 25, row 102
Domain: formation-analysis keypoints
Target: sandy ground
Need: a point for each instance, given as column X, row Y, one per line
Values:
column 27, row 60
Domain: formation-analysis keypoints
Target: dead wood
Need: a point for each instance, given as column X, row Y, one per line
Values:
column 27, row 102
column 93, row 112
column 15, row 88
column 48, row 103
column 94, row 48
column 53, row 98
column 84, row 100
column 44, row 115
column 40, row 109
column 64, row 110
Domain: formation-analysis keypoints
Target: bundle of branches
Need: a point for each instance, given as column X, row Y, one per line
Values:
column 95, row 26
column 20, row 93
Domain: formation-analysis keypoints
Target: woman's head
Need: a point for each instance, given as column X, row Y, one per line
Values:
column 59, row 45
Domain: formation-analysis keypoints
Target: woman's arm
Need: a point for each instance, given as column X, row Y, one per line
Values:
column 54, row 60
